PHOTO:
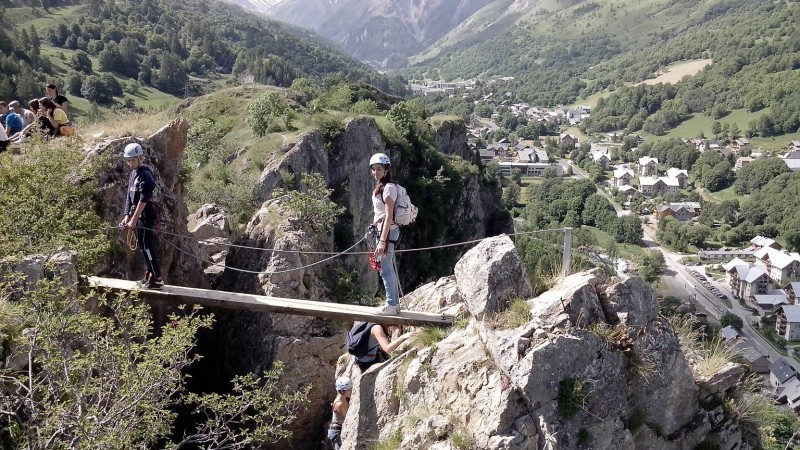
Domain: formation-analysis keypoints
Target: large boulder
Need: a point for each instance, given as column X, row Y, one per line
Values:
column 593, row 368
column 490, row 274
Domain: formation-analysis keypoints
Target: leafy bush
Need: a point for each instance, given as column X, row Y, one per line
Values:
column 313, row 206
column 204, row 143
column 45, row 207
column 265, row 110
column 366, row 107
column 229, row 187
column 109, row 381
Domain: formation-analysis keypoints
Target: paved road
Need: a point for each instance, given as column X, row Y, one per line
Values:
column 709, row 302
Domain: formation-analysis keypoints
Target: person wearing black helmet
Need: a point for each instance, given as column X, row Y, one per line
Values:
column 141, row 214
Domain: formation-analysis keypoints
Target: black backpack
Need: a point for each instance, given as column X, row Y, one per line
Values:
column 357, row 339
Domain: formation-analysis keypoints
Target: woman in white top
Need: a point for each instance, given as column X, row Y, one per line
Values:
column 383, row 197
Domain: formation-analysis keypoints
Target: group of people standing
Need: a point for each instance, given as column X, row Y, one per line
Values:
column 47, row 115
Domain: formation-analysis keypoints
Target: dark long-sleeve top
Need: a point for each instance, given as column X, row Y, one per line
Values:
column 141, row 184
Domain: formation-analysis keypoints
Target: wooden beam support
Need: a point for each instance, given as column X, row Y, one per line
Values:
column 263, row 303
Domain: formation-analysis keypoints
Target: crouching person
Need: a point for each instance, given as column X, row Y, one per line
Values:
column 369, row 343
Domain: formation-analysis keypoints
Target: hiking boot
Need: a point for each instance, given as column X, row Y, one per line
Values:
column 388, row 310
column 153, row 283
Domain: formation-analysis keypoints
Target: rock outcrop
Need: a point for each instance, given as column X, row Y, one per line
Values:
column 210, row 226
column 164, row 153
column 451, row 139
column 594, row 367
column 259, row 339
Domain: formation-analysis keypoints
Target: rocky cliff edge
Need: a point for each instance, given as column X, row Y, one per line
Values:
column 589, row 364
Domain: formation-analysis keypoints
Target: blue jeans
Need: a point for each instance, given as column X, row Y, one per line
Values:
column 389, row 270
column 335, row 436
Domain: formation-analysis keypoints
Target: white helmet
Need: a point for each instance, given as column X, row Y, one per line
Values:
column 133, row 150
column 344, row 384
column 379, row 158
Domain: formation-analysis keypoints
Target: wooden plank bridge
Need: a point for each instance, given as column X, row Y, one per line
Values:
column 264, row 303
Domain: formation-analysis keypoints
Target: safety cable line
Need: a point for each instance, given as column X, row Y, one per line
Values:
column 259, row 272
column 310, row 252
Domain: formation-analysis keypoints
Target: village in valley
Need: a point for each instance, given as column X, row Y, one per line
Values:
column 757, row 282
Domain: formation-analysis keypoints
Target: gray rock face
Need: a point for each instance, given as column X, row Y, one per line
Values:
column 561, row 381
column 490, row 274
column 210, row 226
column 164, row 154
column 210, row 221
column 631, row 302
column 451, row 139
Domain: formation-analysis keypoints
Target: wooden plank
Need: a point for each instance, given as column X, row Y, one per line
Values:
column 263, row 303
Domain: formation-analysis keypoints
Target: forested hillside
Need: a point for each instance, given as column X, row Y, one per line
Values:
column 564, row 52
column 754, row 46
column 181, row 48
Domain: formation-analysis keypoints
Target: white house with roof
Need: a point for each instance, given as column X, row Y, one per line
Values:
column 682, row 211
column 760, row 242
column 782, row 267
column 755, row 360
column 792, row 290
column 648, row 166
column 768, row 303
column 780, row 372
column 601, row 159
column 622, row 177
column 787, row 323
column 681, row 175
column 729, row 334
column 792, row 164
column 655, row 186
column 746, row 280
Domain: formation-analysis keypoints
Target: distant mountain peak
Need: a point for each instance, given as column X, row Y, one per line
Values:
column 261, row 6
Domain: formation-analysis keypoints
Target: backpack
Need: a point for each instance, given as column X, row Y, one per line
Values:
column 404, row 211
column 357, row 339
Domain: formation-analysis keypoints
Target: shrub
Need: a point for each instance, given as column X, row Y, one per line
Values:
column 571, row 396
column 390, row 442
column 313, row 206
column 517, row 313
column 113, row 381
column 265, row 110
column 430, row 335
column 45, row 207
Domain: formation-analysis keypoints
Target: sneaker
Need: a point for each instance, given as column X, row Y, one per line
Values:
column 144, row 280
column 387, row 310
column 153, row 283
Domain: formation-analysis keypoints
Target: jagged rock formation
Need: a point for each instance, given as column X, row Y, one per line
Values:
column 164, row 152
column 594, row 367
column 210, row 226
column 259, row 339
column 451, row 139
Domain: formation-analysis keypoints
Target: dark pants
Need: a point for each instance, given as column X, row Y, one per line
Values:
column 4, row 145
column 146, row 236
column 48, row 127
